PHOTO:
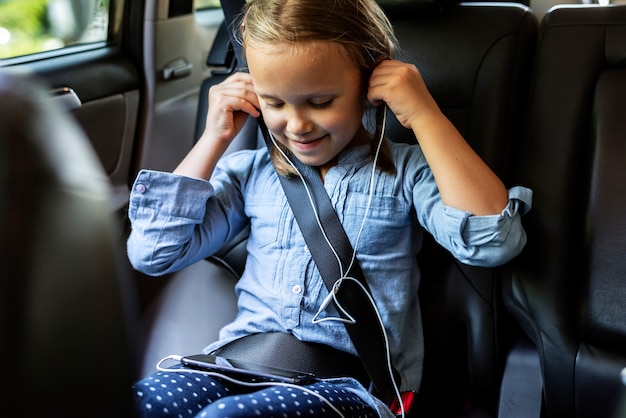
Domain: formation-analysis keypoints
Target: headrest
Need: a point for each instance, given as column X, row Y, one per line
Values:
column 404, row 8
column 63, row 290
column 27, row 112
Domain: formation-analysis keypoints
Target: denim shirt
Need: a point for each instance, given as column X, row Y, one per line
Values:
column 177, row 221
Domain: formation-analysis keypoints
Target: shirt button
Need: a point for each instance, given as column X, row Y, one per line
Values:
column 140, row 188
column 306, row 249
column 297, row 289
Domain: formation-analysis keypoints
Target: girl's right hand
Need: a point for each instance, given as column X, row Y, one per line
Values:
column 230, row 103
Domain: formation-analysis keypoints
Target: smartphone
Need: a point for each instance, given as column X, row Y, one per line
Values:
column 248, row 372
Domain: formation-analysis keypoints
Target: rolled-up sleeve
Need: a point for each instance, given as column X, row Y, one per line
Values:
column 485, row 241
column 178, row 220
column 165, row 210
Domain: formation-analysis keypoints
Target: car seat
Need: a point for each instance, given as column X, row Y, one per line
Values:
column 475, row 58
column 66, row 307
column 567, row 289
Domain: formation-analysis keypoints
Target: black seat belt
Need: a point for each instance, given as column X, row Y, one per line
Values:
column 367, row 333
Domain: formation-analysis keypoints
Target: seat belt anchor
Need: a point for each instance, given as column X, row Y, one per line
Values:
column 407, row 398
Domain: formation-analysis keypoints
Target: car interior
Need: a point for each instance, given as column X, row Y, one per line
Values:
column 536, row 89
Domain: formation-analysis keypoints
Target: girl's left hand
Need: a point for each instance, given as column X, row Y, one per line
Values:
column 402, row 88
column 464, row 180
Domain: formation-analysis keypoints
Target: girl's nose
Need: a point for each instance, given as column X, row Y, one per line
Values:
column 298, row 124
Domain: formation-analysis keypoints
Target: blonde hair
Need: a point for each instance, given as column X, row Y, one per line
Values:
column 360, row 26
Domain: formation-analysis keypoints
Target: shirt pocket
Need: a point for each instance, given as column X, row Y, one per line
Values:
column 386, row 219
column 265, row 217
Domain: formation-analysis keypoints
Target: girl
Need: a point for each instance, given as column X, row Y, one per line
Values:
column 314, row 67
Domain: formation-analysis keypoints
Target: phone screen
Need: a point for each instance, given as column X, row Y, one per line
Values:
column 249, row 372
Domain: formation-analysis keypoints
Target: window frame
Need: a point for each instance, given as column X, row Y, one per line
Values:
column 114, row 33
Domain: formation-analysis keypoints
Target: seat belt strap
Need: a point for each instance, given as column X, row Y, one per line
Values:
column 233, row 10
column 367, row 334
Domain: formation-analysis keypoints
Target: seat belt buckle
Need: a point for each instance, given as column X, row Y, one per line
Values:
column 407, row 402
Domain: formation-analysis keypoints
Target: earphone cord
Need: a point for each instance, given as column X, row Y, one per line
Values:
column 308, row 192
column 244, row 383
column 372, row 184
column 344, row 274
column 371, row 188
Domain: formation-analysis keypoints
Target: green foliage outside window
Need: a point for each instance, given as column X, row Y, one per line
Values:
column 23, row 27
column 31, row 26
column 206, row 4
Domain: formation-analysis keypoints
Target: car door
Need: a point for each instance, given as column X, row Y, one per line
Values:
column 178, row 39
column 129, row 72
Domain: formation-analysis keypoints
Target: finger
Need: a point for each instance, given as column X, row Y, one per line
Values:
column 379, row 81
column 234, row 97
column 375, row 93
column 248, row 104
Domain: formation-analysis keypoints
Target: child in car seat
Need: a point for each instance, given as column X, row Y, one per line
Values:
column 315, row 68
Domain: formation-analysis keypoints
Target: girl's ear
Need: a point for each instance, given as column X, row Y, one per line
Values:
column 380, row 117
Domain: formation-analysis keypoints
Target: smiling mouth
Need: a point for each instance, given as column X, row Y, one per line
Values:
column 305, row 146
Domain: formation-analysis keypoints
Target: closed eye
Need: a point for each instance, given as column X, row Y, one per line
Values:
column 322, row 105
column 274, row 105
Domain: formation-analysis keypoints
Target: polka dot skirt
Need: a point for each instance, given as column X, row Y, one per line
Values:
column 182, row 395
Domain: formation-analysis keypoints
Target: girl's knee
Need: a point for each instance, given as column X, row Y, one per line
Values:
column 166, row 394
column 318, row 400
column 233, row 407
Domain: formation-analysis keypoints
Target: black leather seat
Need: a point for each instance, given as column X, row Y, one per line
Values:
column 568, row 289
column 479, row 78
column 476, row 60
column 66, row 315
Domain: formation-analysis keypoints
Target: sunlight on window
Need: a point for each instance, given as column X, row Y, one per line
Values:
column 206, row 4
column 5, row 36
column 31, row 26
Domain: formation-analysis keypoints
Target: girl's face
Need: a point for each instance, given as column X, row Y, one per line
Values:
column 311, row 98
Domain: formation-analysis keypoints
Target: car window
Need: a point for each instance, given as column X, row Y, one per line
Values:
column 206, row 4
column 32, row 26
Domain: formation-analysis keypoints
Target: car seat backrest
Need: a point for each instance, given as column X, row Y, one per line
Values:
column 475, row 59
column 65, row 316
column 568, row 287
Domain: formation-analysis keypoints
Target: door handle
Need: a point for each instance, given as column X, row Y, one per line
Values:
column 179, row 68
column 66, row 98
